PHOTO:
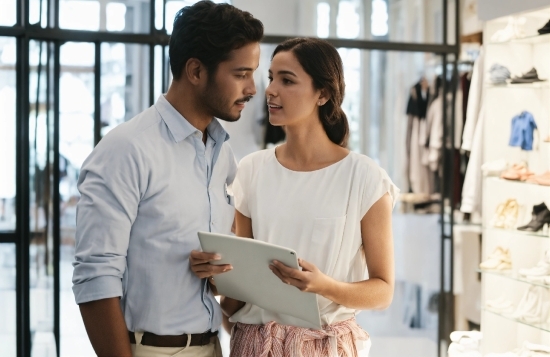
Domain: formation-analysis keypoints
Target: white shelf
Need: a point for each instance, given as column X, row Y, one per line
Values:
column 515, row 182
column 518, row 233
column 507, row 274
column 541, row 326
column 529, row 40
column 535, row 85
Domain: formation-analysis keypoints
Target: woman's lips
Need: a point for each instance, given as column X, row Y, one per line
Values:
column 274, row 108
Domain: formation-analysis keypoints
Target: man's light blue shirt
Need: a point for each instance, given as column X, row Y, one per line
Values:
column 146, row 190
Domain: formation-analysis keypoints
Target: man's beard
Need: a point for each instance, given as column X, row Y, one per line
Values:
column 217, row 105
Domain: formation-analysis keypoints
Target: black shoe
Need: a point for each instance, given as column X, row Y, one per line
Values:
column 540, row 218
column 545, row 29
column 529, row 77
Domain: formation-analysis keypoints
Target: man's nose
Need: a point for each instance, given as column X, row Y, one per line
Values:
column 251, row 88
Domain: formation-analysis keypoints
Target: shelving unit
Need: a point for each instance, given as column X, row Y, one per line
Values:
column 513, row 276
column 502, row 332
column 545, row 327
column 531, row 40
column 518, row 234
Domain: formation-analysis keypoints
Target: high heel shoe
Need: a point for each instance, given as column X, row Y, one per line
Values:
column 540, row 218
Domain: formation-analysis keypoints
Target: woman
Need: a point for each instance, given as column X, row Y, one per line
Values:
column 311, row 194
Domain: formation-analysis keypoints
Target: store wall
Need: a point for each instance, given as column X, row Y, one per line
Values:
column 492, row 9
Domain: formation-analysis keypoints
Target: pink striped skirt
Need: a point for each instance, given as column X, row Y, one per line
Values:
column 275, row 340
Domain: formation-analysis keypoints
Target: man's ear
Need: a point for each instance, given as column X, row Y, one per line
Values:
column 195, row 71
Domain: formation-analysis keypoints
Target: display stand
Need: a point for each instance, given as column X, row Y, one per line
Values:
column 502, row 332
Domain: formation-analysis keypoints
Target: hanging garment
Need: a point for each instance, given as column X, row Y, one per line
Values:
column 418, row 174
column 523, row 127
column 472, row 140
column 474, row 102
column 471, row 191
column 434, row 126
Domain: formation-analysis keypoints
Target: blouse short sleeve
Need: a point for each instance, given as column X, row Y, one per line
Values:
column 378, row 184
column 241, row 187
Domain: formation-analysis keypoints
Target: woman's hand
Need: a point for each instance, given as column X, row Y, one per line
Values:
column 309, row 279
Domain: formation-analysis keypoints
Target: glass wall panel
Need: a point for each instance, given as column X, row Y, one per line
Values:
column 7, row 132
column 41, row 204
column 8, row 15
column 76, row 141
column 8, row 335
column 79, row 15
column 124, row 83
column 400, row 144
column 417, row 21
column 38, row 12
column 127, row 16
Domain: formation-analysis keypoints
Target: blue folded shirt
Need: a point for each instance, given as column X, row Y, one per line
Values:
column 523, row 126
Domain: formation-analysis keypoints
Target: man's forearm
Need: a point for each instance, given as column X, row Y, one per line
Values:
column 106, row 327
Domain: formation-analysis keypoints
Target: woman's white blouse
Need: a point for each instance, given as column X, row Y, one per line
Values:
column 316, row 213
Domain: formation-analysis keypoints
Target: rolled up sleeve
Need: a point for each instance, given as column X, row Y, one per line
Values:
column 109, row 185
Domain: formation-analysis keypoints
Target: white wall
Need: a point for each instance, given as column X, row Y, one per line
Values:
column 492, row 9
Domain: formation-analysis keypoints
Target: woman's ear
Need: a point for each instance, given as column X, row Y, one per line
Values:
column 323, row 97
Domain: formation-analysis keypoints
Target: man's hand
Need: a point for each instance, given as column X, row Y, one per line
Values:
column 200, row 264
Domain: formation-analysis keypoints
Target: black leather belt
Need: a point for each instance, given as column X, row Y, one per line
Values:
column 150, row 339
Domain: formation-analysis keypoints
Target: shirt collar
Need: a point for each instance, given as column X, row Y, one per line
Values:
column 180, row 128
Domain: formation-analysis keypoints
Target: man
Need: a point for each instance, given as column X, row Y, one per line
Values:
column 152, row 183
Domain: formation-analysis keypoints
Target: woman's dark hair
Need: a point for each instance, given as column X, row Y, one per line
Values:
column 209, row 32
column 323, row 63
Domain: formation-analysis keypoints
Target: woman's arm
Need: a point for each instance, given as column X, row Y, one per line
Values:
column 243, row 228
column 372, row 294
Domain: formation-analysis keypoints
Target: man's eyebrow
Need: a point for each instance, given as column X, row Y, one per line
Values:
column 243, row 69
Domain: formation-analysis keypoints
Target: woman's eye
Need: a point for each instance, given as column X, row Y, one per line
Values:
column 286, row 81
column 270, row 79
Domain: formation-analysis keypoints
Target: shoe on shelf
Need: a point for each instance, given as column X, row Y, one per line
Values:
column 459, row 336
column 534, row 306
column 543, row 179
column 542, row 268
column 528, row 77
column 506, row 214
column 498, row 74
column 458, row 350
column 545, row 29
column 540, row 218
column 498, row 260
column 512, row 30
column 494, row 168
column 518, row 172
column 536, row 348
column 500, row 305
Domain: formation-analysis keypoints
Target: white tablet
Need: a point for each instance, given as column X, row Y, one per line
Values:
column 252, row 281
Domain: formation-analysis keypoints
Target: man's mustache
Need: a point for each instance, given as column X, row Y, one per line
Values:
column 245, row 99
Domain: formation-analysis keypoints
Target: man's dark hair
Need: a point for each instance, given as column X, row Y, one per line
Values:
column 209, row 32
